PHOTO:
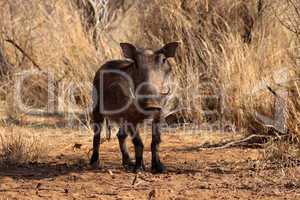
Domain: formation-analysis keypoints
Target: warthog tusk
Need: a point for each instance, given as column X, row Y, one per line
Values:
column 166, row 93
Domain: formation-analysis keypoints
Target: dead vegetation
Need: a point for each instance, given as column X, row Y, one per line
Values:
column 282, row 153
column 21, row 148
column 241, row 56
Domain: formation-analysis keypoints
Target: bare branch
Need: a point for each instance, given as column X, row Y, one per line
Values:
column 23, row 52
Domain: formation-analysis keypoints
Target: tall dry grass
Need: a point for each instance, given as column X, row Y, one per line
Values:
column 47, row 37
column 225, row 76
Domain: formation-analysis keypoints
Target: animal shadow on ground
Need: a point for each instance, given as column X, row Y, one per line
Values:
column 40, row 171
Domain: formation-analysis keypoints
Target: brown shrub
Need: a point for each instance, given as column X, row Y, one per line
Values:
column 21, row 148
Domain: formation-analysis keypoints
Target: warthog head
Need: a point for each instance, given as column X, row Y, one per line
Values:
column 150, row 74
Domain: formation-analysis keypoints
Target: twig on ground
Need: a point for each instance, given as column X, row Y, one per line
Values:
column 254, row 141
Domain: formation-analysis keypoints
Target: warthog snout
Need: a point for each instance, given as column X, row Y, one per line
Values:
column 152, row 105
column 149, row 96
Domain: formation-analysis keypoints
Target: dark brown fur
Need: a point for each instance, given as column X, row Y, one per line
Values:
column 147, row 72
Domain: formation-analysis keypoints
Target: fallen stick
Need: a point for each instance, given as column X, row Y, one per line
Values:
column 250, row 141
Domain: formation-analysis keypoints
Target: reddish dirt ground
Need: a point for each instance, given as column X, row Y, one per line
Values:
column 191, row 173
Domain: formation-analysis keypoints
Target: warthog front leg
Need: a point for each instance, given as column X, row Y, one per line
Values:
column 126, row 161
column 157, row 166
column 139, row 149
column 97, row 126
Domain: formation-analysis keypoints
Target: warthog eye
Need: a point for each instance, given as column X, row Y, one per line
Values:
column 160, row 59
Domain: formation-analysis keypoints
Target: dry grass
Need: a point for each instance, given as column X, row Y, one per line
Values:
column 21, row 148
column 282, row 153
column 52, row 36
column 70, row 39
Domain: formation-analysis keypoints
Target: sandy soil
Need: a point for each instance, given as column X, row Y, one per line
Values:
column 192, row 173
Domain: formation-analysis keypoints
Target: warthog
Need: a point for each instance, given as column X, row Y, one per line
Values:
column 128, row 92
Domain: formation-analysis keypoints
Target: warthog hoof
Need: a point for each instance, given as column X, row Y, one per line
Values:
column 140, row 168
column 158, row 168
column 128, row 165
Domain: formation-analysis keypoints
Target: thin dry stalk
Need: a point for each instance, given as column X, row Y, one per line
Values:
column 21, row 148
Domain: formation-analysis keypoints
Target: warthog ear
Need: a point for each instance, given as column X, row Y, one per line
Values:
column 169, row 49
column 129, row 50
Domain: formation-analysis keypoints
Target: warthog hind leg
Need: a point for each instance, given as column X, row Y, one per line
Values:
column 126, row 161
column 139, row 149
column 97, row 126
